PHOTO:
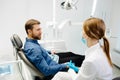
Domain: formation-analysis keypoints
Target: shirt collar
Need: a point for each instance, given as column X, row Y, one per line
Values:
column 91, row 49
column 31, row 40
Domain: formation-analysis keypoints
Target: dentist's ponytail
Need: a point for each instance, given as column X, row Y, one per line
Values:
column 106, row 49
column 95, row 29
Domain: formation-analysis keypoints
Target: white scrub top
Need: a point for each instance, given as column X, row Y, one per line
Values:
column 95, row 66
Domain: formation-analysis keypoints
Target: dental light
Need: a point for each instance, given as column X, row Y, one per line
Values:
column 69, row 4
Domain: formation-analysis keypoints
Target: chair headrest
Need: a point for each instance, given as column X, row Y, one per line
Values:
column 16, row 41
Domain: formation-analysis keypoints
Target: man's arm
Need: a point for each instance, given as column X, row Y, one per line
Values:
column 43, row 62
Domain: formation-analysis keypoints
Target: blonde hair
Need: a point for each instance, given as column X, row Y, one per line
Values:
column 95, row 29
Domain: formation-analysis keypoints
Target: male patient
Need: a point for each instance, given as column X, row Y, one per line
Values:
column 37, row 55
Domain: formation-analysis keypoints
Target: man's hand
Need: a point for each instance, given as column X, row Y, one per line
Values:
column 53, row 51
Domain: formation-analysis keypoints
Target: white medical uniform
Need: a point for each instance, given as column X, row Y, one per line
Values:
column 94, row 67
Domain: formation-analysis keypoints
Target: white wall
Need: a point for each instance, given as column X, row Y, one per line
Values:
column 115, row 32
column 14, row 14
column 12, row 17
column 72, row 34
column 115, row 18
column 115, row 26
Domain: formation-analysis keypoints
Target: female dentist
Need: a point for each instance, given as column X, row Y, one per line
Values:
column 97, row 64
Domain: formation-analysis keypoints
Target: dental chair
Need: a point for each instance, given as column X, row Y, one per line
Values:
column 19, row 53
column 117, row 78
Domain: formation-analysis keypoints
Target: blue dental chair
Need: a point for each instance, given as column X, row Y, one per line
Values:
column 19, row 53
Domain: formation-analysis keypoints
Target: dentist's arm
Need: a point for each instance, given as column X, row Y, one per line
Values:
column 72, row 73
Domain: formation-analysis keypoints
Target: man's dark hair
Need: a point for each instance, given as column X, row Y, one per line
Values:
column 29, row 24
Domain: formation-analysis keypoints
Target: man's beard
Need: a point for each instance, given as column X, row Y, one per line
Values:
column 36, row 37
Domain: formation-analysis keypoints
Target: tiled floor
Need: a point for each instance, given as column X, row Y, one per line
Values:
column 116, row 71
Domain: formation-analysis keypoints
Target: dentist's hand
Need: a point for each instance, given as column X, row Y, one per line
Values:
column 72, row 66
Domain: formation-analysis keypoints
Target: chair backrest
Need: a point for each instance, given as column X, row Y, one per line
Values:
column 17, row 44
column 117, row 78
